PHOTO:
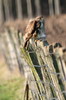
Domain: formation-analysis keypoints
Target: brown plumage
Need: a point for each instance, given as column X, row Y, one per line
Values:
column 31, row 29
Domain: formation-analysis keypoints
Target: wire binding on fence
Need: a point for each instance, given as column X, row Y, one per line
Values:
column 48, row 83
column 49, row 71
column 42, row 94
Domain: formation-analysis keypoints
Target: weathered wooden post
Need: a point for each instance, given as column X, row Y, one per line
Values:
column 34, row 79
column 48, row 60
column 64, row 55
column 46, row 79
column 8, row 45
column 61, row 64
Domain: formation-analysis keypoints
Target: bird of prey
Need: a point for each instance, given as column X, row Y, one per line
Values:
column 35, row 29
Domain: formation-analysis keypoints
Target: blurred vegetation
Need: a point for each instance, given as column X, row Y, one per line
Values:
column 12, row 89
column 13, row 9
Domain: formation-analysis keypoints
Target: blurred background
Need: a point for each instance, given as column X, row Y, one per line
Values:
column 16, row 14
column 13, row 9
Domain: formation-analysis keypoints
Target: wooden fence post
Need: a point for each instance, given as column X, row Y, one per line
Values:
column 48, row 60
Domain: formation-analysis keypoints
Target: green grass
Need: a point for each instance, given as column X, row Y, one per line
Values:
column 11, row 84
column 12, row 90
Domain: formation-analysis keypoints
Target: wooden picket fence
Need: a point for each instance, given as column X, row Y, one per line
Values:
column 48, row 68
column 44, row 66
